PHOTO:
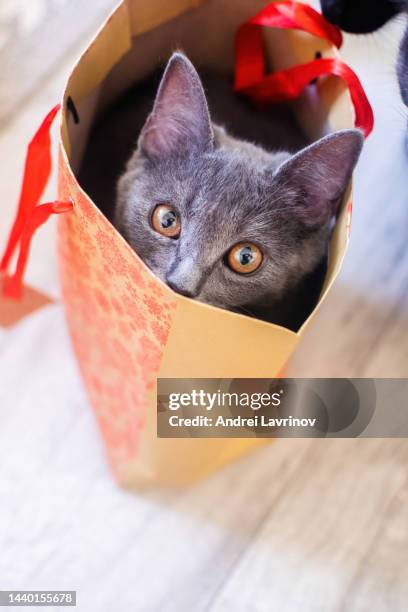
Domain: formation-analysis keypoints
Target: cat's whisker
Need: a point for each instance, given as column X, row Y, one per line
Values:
column 243, row 310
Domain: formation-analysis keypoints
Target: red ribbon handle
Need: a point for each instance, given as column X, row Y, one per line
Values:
column 30, row 216
column 250, row 75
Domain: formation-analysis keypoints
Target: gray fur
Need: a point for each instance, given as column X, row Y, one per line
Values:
column 402, row 66
column 227, row 191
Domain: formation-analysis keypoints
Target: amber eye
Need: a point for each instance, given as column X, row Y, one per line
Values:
column 244, row 258
column 166, row 221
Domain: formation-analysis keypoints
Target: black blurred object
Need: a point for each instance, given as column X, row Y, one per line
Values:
column 361, row 16
column 365, row 16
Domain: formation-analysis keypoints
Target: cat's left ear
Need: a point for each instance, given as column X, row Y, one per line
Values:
column 320, row 174
column 179, row 124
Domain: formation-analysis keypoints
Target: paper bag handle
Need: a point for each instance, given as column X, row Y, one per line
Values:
column 30, row 215
column 252, row 80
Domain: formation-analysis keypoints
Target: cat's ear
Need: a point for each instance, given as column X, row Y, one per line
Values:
column 180, row 122
column 320, row 174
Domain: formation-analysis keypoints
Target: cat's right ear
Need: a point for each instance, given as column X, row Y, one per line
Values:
column 180, row 123
column 319, row 174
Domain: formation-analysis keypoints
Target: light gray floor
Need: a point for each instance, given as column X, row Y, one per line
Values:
column 35, row 36
column 298, row 526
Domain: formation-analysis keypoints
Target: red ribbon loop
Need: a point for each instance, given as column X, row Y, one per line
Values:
column 30, row 215
column 298, row 16
column 12, row 286
column 251, row 78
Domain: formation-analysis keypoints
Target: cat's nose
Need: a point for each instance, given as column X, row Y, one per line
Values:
column 185, row 278
column 180, row 289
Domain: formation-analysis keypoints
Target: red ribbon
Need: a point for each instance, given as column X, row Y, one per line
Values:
column 250, row 75
column 30, row 215
column 298, row 16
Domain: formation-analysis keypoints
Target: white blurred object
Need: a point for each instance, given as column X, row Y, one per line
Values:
column 35, row 36
column 27, row 15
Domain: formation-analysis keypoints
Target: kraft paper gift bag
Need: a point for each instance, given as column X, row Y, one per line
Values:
column 127, row 327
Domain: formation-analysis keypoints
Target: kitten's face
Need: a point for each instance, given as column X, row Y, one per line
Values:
column 187, row 221
column 220, row 220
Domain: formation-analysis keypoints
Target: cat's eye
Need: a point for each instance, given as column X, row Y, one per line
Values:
column 244, row 258
column 166, row 221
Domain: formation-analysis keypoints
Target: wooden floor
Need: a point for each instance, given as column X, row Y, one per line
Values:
column 300, row 525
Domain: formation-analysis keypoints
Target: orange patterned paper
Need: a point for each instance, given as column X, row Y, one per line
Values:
column 119, row 317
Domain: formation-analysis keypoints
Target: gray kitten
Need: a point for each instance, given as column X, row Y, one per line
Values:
column 222, row 220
